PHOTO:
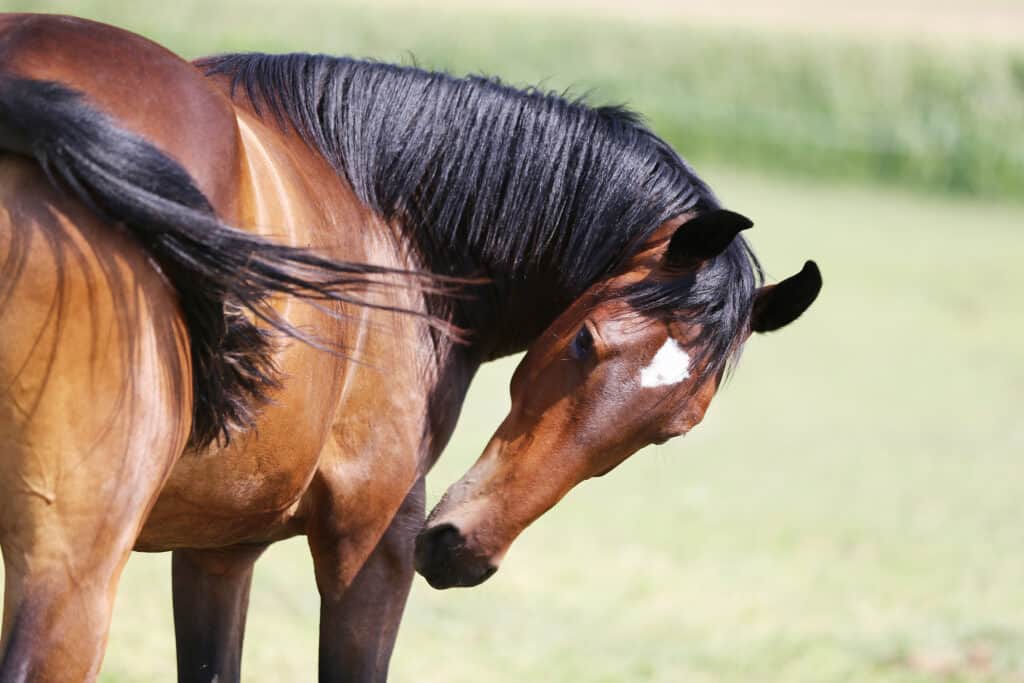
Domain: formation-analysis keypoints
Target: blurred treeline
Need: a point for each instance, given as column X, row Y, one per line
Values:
column 939, row 117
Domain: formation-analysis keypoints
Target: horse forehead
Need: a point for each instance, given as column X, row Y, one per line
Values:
column 622, row 325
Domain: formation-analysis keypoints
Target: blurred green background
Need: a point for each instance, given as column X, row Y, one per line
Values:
column 851, row 508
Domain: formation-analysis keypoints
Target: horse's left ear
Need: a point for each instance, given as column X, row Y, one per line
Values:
column 780, row 304
column 704, row 237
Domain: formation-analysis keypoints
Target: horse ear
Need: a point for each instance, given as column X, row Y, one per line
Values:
column 704, row 237
column 780, row 304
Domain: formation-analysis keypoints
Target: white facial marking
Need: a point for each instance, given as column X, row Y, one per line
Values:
column 670, row 365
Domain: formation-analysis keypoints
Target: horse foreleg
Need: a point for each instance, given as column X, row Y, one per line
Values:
column 211, row 598
column 359, row 625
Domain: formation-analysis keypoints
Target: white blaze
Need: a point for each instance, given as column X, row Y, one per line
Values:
column 670, row 365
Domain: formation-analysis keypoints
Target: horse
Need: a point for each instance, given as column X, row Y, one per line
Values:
column 242, row 299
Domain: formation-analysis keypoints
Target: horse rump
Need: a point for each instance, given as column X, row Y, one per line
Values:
column 218, row 271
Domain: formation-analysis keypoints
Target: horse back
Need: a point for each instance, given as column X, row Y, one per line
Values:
column 145, row 87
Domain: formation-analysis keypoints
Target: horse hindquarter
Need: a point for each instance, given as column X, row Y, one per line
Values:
column 94, row 410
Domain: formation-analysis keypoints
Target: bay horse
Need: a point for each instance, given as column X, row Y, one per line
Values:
column 242, row 299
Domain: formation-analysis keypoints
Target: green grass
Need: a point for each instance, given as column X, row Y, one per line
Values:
column 851, row 508
column 932, row 116
column 849, row 511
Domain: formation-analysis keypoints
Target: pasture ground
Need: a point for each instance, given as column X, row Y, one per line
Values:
column 851, row 508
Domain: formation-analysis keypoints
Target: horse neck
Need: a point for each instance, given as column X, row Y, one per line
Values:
column 290, row 192
column 443, row 155
column 503, row 316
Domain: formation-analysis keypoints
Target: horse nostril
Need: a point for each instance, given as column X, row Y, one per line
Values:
column 445, row 535
column 443, row 558
column 434, row 546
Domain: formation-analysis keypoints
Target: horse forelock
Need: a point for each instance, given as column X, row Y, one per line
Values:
column 717, row 298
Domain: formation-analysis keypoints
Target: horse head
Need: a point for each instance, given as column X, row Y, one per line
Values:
column 635, row 360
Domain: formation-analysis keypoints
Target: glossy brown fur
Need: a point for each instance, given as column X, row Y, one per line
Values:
column 318, row 462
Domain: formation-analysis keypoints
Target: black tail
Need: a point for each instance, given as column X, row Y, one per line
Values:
column 217, row 270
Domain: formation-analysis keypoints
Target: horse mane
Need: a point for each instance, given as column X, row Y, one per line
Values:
column 490, row 180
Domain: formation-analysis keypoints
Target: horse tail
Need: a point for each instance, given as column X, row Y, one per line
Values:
column 217, row 270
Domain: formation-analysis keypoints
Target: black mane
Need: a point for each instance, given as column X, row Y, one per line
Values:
column 518, row 186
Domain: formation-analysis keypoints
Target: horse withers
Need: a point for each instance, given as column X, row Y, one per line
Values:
column 227, row 317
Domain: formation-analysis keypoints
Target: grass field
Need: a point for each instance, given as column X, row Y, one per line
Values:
column 851, row 509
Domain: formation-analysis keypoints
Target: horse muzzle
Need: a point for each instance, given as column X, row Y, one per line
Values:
column 446, row 560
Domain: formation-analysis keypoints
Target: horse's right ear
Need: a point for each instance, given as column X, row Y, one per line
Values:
column 778, row 305
column 704, row 237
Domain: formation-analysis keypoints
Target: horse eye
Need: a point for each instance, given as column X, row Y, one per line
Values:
column 582, row 344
